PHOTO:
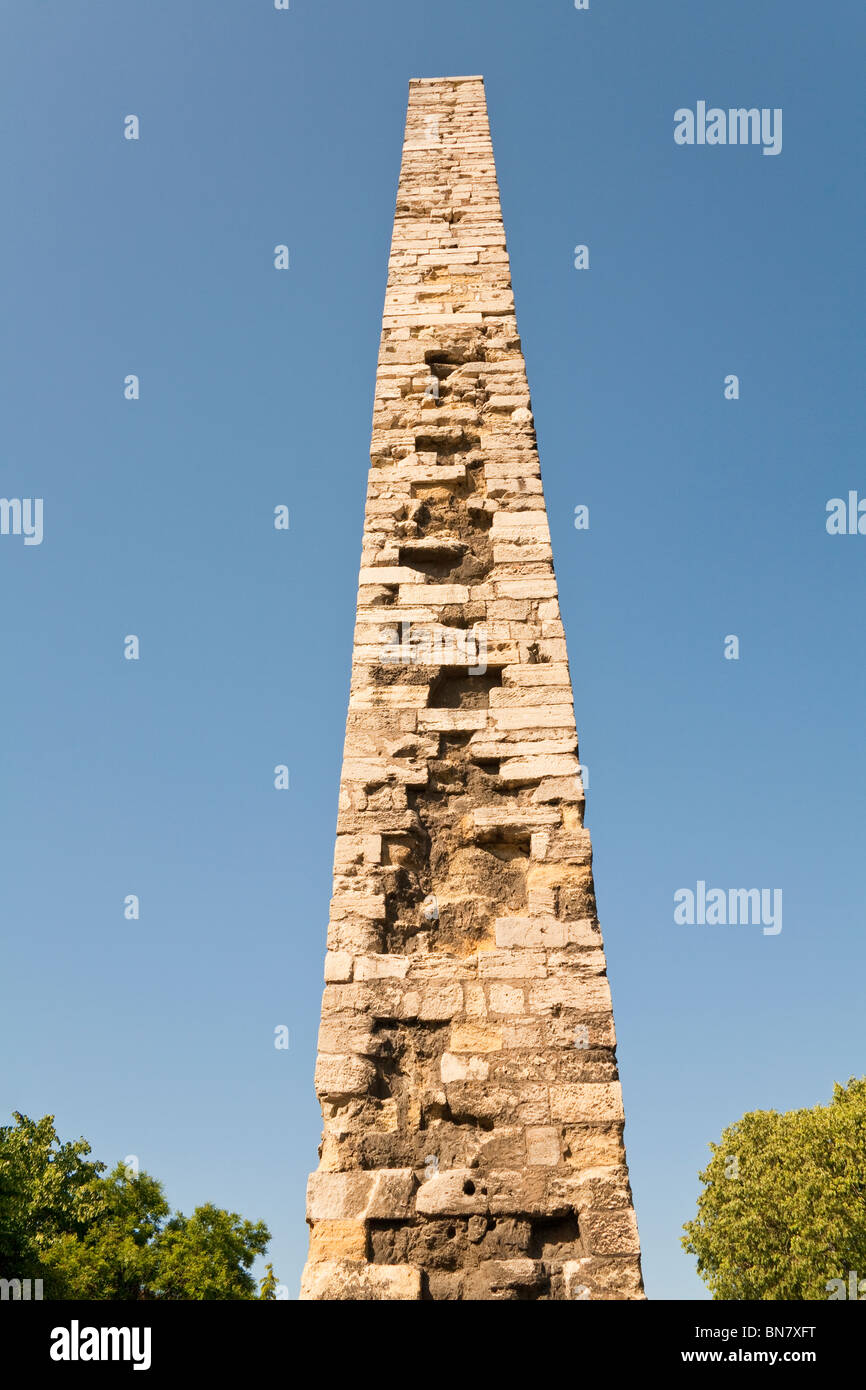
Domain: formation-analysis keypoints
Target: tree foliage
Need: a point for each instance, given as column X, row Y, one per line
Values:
column 783, row 1209
column 112, row 1236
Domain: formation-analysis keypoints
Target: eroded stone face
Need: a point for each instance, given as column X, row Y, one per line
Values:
column 472, row 1143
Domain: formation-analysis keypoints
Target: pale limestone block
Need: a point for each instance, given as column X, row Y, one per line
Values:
column 387, row 574
column 521, row 771
column 590, row 994
column 463, row 1068
column 381, row 967
column 530, row 932
column 522, row 1033
column 537, row 673
column 459, row 1192
column 346, row 1033
column 500, row 821
column 598, row 1189
column 535, row 717
column 441, row 1002
column 338, row 966
column 474, row 1002
column 590, row 1103
column 338, row 1077
column 475, row 1037
column 433, row 595
column 610, row 1232
column 568, row 789
column 506, row 999
column 543, row 1146
column 453, row 720
column 382, row 1194
column 339, row 1280
column 505, row 965
column 336, row 1240
column 598, row 1278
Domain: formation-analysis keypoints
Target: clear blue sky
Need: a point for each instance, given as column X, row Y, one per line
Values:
column 707, row 517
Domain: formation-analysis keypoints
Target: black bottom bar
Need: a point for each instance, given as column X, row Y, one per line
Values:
column 238, row 1339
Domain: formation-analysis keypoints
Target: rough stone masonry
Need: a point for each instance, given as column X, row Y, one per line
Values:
column 473, row 1119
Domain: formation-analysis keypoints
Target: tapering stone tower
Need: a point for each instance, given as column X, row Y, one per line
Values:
column 472, row 1115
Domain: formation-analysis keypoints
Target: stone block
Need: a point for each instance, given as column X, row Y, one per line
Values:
column 460, row 1192
column 610, row 1232
column 453, row 1068
column 594, row 1103
column 475, row 1037
column 592, row 1278
column 338, row 966
column 382, row 1194
column 504, row 1281
column 344, row 1280
column 338, row 1240
column 338, row 1078
column 543, row 1146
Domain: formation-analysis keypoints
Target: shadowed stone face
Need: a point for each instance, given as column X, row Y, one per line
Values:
column 472, row 1142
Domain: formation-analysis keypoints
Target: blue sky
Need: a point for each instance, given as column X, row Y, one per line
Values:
column 707, row 518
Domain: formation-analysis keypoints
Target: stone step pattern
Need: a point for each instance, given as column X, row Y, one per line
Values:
column 473, row 1120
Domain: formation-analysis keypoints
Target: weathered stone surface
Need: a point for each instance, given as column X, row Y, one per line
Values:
column 339, row 1077
column 338, row 966
column 472, row 1145
column 600, row 1188
column 385, row 1194
column 610, row 1233
column 338, row 1280
column 463, row 1068
column 475, row 1037
column 590, row 1278
column 586, row 1104
column 543, row 1145
column 338, row 1240
column 505, row 1280
column 459, row 1193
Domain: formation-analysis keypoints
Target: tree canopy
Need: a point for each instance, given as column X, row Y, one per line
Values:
column 783, row 1209
column 92, row 1234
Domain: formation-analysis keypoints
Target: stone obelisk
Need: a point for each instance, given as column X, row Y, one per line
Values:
column 466, row 1069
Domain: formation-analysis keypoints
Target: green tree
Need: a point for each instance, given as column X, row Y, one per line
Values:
column 111, row 1237
column 209, row 1254
column 48, row 1191
column 783, row 1209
